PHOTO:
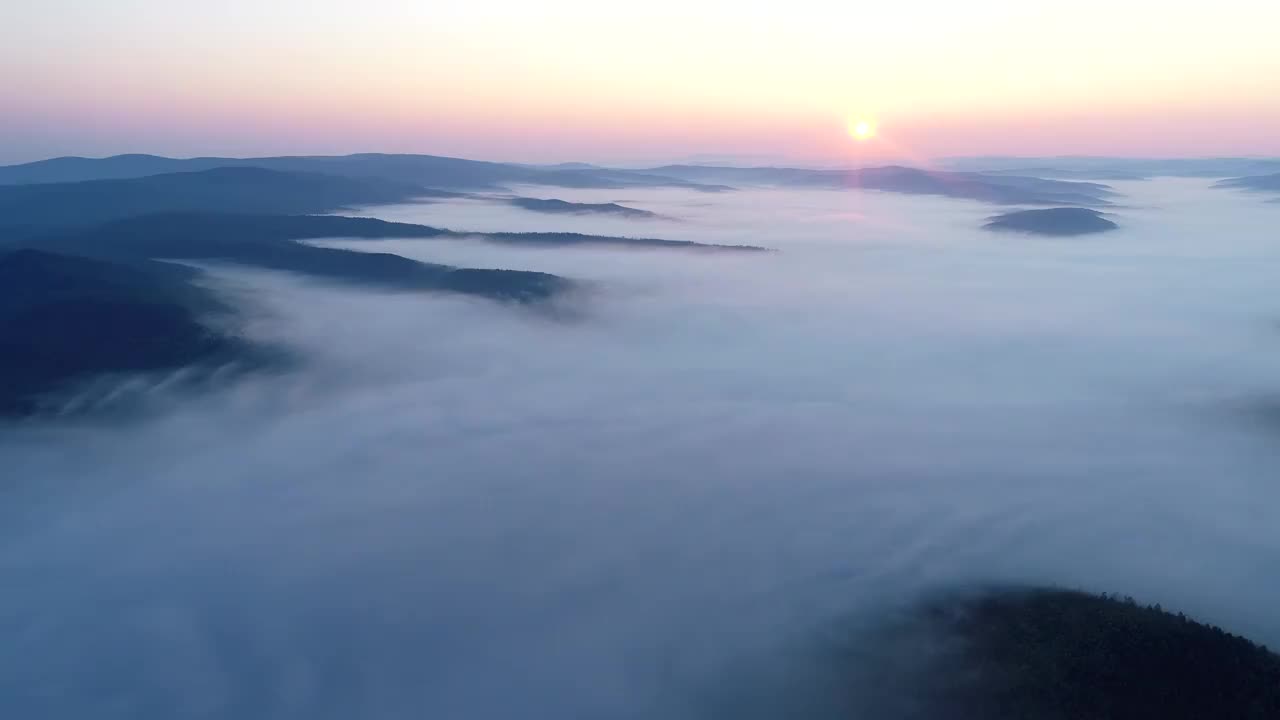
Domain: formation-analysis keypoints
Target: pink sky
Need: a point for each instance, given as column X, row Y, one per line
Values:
column 571, row 80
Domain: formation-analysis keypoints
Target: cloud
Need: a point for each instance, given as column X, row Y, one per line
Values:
column 639, row 508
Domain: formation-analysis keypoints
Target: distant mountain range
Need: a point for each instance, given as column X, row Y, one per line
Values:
column 228, row 189
column 1262, row 183
column 997, row 189
column 1111, row 168
column 78, row 302
column 419, row 170
column 88, row 302
column 272, row 242
column 82, row 291
column 428, row 172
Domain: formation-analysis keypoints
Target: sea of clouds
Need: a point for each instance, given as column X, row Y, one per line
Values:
column 663, row 495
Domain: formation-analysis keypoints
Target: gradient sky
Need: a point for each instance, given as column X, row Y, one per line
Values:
column 664, row 79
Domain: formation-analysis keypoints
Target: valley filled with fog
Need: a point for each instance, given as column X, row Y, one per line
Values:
column 666, row 493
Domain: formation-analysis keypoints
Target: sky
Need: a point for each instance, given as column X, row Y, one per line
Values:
column 562, row 80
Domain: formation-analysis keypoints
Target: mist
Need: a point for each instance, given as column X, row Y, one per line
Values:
column 663, row 495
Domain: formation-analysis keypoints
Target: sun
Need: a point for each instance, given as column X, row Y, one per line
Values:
column 862, row 129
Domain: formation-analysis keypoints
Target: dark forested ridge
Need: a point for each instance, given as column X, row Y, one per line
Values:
column 1262, row 183
column 234, row 236
column 997, row 189
column 1118, row 168
column 444, row 173
column 65, row 318
column 1051, row 654
column 562, row 207
column 84, row 303
column 79, row 301
column 567, row 238
column 271, row 242
column 421, row 170
column 223, row 190
column 1061, row 222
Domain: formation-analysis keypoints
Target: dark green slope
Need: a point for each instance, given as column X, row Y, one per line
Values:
column 228, row 190
column 423, row 170
column 1055, row 654
column 64, row 319
column 271, row 243
column 1059, row 222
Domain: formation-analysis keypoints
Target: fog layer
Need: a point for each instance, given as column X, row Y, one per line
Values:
column 657, row 498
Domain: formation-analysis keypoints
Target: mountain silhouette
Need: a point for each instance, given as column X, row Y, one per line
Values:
column 1263, row 183
column 64, row 319
column 562, row 207
column 271, row 242
column 998, row 189
column 238, row 190
column 1035, row 652
column 1061, row 222
column 421, row 170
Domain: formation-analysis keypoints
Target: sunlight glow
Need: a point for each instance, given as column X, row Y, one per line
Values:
column 862, row 129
